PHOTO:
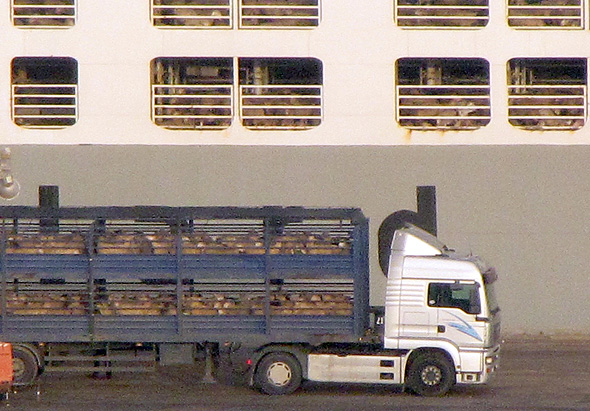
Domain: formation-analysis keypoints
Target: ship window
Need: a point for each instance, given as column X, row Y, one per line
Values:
column 219, row 13
column 44, row 91
column 192, row 93
column 444, row 94
column 442, row 13
column 546, row 14
column 280, row 93
column 192, row 13
column 547, row 93
column 279, row 13
column 454, row 295
column 44, row 13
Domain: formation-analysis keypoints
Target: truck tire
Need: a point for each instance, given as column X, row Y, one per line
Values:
column 431, row 375
column 278, row 373
column 24, row 365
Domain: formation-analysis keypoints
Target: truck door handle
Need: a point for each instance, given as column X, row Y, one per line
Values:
column 441, row 328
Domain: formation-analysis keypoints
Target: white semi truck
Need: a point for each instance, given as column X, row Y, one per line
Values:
column 283, row 291
column 441, row 326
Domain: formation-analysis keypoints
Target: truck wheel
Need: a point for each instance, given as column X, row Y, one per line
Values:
column 278, row 374
column 24, row 365
column 431, row 375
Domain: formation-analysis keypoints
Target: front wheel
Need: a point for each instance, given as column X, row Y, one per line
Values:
column 431, row 375
column 278, row 374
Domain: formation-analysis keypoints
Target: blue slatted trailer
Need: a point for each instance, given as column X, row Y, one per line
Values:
column 93, row 276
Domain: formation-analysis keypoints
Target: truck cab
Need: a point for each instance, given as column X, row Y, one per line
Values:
column 441, row 303
column 440, row 326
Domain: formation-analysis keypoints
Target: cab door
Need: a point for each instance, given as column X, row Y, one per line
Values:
column 416, row 319
column 458, row 304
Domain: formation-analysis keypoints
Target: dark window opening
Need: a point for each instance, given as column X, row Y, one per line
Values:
column 44, row 91
column 546, row 14
column 192, row 93
column 443, row 93
column 280, row 93
column 44, row 70
column 547, row 93
column 190, row 70
column 442, row 13
column 279, row 13
column 192, row 13
column 280, row 71
column 44, row 13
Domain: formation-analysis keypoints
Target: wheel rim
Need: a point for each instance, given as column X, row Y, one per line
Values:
column 279, row 374
column 18, row 368
column 431, row 375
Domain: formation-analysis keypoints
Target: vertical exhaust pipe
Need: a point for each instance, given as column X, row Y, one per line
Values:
column 49, row 201
column 426, row 200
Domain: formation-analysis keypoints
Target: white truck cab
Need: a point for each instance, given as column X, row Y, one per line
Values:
column 441, row 303
column 441, row 326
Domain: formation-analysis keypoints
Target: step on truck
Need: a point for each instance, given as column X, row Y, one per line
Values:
column 284, row 290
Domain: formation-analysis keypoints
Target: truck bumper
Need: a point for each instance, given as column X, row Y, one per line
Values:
column 491, row 362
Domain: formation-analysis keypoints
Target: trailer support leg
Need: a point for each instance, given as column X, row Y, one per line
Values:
column 208, row 377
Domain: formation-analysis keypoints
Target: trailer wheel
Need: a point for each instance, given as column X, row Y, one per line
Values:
column 278, row 374
column 431, row 375
column 24, row 366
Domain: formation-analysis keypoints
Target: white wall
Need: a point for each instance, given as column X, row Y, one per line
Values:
column 358, row 44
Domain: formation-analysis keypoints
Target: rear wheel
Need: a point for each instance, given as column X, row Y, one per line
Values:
column 431, row 375
column 278, row 374
column 24, row 364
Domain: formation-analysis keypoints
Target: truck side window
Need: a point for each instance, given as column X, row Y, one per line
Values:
column 452, row 295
